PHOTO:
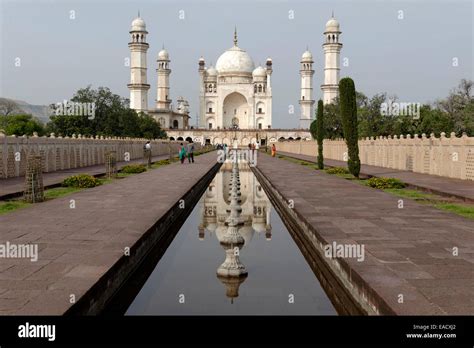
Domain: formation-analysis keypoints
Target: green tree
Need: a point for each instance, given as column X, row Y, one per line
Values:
column 112, row 117
column 458, row 105
column 149, row 128
column 434, row 121
column 332, row 121
column 320, row 133
column 21, row 125
column 348, row 108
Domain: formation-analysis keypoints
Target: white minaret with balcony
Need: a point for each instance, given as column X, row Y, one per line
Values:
column 332, row 49
column 163, row 100
column 138, row 85
column 306, row 100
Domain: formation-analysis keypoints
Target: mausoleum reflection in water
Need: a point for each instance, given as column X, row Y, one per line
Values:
column 232, row 255
column 234, row 207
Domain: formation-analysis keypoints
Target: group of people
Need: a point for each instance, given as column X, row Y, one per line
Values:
column 186, row 151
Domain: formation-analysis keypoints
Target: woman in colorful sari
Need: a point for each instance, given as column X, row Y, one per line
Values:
column 274, row 150
column 182, row 153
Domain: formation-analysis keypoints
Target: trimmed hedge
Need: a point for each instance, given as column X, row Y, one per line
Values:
column 81, row 181
column 337, row 170
column 133, row 169
column 385, row 183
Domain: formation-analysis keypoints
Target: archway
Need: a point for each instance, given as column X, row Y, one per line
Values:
column 175, row 124
column 235, row 107
column 210, row 123
column 189, row 139
column 180, row 139
column 172, row 138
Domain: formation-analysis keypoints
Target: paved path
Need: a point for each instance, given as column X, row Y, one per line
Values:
column 462, row 189
column 77, row 246
column 408, row 251
column 12, row 187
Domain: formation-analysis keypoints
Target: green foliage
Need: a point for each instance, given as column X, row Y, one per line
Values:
column 337, row 170
column 385, row 183
column 349, row 123
column 81, row 181
column 455, row 113
column 21, row 125
column 320, row 133
column 59, row 192
column 133, row 169
column 9, row 206
column 112, row 117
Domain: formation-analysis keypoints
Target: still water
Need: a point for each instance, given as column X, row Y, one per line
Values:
column 276, row 279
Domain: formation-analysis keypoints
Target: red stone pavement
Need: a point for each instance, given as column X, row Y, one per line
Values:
column 15, row 186
column 408, row 251
column 77, row 246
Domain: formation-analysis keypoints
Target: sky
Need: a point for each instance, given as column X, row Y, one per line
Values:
column 416, row 50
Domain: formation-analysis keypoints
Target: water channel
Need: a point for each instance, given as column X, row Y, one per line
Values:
column 232, row 256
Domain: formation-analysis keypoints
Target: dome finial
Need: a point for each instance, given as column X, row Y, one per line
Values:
column 332, row 15
column 138, row 13
column 235, row 36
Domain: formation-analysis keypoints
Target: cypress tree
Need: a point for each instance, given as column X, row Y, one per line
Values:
column 349, row 123
column 320, row 133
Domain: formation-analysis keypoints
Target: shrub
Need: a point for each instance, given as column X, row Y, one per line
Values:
column 81, row 181
column 133, row 169
column 337, row 170
column 385, row 183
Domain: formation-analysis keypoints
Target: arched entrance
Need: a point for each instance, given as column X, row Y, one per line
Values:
column 235, row 111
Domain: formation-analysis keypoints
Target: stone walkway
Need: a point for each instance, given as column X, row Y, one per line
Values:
column 461, row 189
column 13, row 187
column 77, row 246
column 408, row 251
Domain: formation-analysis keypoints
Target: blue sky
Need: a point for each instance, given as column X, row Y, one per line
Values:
column 410, row 57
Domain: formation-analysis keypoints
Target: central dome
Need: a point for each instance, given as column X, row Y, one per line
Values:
column 235, row 60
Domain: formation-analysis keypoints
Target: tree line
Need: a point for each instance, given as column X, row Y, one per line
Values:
column 454, row 113
column 111, row 117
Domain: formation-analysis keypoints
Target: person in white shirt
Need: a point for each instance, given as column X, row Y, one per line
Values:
column 147, row 153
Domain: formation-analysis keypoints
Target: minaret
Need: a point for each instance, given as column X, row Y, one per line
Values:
column 163, row 81
column 202, row 98
column 138, row 85
column 332, row 49
column 306, row 101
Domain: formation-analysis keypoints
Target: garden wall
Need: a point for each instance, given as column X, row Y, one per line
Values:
column 451, row 157
column 78, row 151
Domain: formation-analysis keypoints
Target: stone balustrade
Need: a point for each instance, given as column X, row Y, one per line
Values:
column 60, row 153
column 451, row 156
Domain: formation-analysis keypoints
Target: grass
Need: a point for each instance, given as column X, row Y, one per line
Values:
column 298, row 161
column 436, row 201
column 413, row 194
column 459, row 209
column 59, row 192
column 9, row 206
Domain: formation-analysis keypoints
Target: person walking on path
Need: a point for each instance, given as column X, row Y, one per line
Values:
column 147, row 153
column 182, row 153
column 274, row 150
column 191, row 152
